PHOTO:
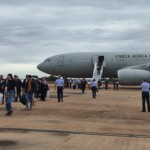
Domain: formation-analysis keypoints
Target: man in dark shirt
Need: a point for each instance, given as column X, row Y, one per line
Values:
column 44, row 89
column 24, row 83
column 2, row 87
column 10, row 92
column 83, row 85
column 18, row 85
column 38, row 88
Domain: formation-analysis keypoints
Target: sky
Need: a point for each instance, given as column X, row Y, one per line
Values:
column 32, row 30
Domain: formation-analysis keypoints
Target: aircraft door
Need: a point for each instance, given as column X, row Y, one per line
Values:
column 60, row 61
column 99, row 60
column 100, row 63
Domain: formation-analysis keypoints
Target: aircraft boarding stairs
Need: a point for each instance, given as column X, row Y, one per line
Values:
column 98, row 71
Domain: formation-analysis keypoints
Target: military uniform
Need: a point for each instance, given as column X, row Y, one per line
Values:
column 59, row 83
column 145, row 95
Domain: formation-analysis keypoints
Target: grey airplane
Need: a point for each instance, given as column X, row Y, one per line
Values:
column 129, row 67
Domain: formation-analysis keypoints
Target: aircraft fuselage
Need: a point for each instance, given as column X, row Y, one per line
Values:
column 81, row 64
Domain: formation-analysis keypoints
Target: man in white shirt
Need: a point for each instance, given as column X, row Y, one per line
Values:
column 145, row 95
column 94, row 88
column 59, row 83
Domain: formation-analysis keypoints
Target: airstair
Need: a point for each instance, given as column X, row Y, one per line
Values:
column 98, row 71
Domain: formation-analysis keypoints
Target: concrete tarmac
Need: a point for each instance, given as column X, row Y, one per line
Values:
column 112, row 121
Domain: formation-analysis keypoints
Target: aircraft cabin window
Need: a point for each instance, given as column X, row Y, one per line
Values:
column 47, row 60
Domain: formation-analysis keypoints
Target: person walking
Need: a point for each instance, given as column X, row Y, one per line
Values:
column 18, row 85
column 10, row 91
column 24, row 84
column 2, row 87
column 38, row 88
column 30, row 88
column 44, row 88
column 59, row 83
column 106, row 84
column 83, row 85
column 94, row 88
column 145, row 95
column 117, row 84
column 99, row 84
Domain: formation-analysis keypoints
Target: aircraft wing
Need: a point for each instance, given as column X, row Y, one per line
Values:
column 142, row 67
column 134, row 75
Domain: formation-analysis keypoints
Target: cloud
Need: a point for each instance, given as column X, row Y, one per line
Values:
column 33, row 30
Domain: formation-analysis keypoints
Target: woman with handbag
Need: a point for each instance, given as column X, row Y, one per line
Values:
column 10, row 91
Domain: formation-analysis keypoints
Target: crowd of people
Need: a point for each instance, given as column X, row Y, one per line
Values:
column 24, row 91
column 13, row 88
column 95, row 86
column 76, row 84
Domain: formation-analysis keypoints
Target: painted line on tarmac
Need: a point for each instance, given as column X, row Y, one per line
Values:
column 63, row 132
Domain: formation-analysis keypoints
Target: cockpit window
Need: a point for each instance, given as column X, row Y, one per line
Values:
column 47, row 60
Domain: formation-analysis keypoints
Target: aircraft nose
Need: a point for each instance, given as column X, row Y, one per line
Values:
column 40, row 66
column 43, row 67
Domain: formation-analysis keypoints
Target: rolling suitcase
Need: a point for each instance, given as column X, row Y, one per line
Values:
column 23, row 100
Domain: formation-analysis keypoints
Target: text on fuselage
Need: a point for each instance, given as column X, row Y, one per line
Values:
column 133, row 56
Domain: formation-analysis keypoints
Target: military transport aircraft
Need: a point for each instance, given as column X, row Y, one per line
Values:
column 129, row 67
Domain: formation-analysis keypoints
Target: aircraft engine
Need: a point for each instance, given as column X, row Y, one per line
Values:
column 130, row 76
